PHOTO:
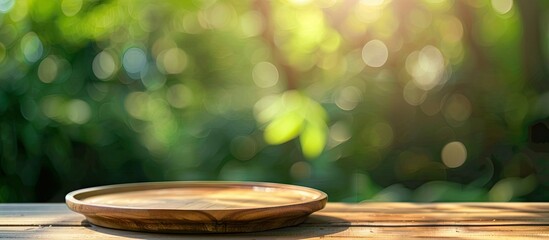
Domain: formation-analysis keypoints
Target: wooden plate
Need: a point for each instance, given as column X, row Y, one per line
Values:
column 196, row 207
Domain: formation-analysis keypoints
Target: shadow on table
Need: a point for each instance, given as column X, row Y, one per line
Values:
column 315, row 226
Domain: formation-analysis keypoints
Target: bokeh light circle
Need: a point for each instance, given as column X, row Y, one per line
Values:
column 454, row 154
column 375, row 53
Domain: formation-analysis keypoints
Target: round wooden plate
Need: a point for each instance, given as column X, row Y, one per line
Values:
column 196, row 207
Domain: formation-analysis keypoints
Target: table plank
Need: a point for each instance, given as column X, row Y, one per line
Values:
column 335, row 214
column 446, row 232
column 55, row 214
column 337, row 221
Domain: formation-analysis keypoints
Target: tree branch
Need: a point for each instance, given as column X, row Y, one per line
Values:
column 290, row 73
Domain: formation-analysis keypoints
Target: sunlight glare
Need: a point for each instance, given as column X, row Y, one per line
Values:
column 372, row 3
column 134, row 61
column 502, row 6
column 47, row 70
column 348, row 98
column 300, row 2
column 375, row 53
column 78, row 111
column 6, row 5
column 454, row 154
column 172, row 61
column 32, row 47
column 265, row 75
column 71, row 7
column 426, row 67
column 103, row 65
column 339, row 132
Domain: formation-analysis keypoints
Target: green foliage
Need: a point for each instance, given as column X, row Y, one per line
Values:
column 366, row 100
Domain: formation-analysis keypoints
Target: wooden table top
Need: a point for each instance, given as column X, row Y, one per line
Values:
column 336, row 221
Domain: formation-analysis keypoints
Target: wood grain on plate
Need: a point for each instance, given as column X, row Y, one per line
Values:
column 196, row 206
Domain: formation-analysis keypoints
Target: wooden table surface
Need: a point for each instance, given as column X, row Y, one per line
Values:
column 336, row 221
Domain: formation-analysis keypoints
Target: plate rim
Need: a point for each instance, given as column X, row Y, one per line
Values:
column 74, row 203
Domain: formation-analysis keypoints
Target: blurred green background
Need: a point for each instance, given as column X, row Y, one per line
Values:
column 367, row 100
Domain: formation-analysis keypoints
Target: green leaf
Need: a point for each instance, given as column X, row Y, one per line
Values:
column 296, row 115
column 315, row 111
column 313, row 139
column 283, row 128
